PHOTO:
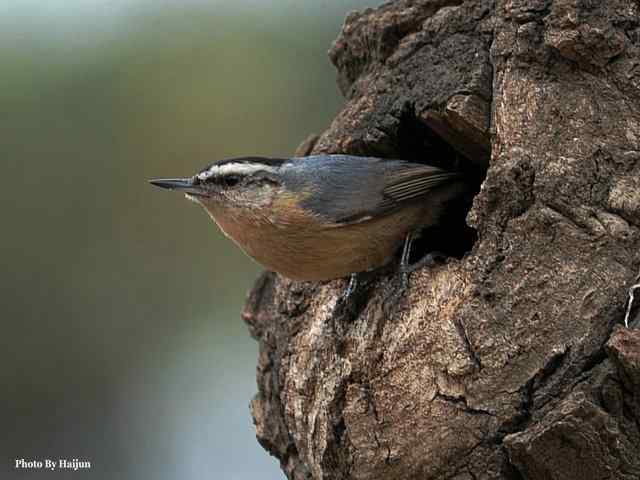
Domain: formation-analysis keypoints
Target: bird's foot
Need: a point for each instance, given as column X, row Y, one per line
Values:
column 405, row 270
column 431, row 259
column 354, row 297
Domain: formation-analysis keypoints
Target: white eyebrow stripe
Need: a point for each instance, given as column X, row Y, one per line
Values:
column 234, row 168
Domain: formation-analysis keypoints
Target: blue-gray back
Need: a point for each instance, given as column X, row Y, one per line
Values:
column 347, row 189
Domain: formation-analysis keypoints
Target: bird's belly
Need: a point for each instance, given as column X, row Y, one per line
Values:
column 314, row 254
column 324, row 257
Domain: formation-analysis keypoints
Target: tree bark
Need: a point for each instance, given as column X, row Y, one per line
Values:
column 506, row 363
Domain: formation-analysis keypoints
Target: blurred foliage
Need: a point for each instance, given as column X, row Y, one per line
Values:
column 120, row 303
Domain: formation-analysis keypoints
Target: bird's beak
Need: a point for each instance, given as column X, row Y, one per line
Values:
column 185, row 185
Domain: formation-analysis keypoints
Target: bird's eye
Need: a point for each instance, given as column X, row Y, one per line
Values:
column 231, row 180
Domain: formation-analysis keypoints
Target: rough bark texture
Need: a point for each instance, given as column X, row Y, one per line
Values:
column 504, row 364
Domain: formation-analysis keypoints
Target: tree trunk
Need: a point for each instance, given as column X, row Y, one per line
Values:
column 504, row 363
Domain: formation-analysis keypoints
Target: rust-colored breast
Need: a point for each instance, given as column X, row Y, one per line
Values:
column 301, row 247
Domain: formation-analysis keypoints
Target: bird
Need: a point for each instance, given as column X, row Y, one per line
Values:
column 322, row 217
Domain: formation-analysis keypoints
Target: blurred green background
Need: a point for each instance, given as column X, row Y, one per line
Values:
column 122, row 342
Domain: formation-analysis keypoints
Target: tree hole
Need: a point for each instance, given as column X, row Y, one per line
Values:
column 416, row 142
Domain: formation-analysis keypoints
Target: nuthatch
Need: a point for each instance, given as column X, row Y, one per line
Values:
column 325, row 216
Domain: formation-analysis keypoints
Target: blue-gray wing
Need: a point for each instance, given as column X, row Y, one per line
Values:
column 345, row 189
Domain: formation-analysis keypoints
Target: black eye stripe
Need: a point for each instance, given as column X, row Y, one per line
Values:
column 230, row 180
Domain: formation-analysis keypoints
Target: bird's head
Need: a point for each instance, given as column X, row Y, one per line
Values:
column 235, row 186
